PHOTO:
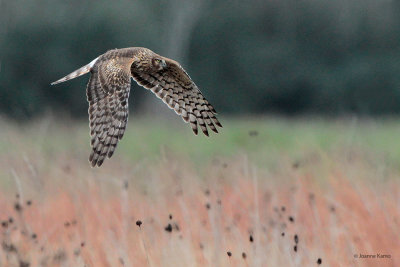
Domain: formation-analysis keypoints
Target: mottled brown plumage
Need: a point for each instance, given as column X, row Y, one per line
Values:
column 108, row 92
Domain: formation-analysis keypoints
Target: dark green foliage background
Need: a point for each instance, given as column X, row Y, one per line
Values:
column 248, row 57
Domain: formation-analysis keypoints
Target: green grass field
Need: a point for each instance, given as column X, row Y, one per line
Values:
column 263, row 140
column 339, row 179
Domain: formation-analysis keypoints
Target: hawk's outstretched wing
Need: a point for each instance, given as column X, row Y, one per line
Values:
column 107, row 93
column 174, row 86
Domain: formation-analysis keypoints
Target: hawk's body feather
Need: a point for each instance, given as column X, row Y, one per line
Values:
column 108, row 91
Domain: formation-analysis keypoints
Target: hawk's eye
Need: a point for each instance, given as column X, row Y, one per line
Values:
column 158, row 63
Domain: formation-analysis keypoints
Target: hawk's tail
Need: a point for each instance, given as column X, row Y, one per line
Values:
column 85, row 69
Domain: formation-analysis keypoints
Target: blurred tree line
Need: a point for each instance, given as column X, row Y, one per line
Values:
column 330, row 57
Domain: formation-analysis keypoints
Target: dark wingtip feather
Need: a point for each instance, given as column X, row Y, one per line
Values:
column 92, row 159
column 214, row 130
column 91, row 156
column 92, row 163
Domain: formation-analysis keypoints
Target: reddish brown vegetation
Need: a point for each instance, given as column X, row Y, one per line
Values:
column 170, row 216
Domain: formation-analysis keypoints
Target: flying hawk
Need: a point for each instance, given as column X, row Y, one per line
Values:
column 108, row 91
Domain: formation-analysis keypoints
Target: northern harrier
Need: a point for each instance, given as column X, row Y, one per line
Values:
column 108, row 91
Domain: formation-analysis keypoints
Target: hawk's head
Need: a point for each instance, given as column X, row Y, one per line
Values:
column 158, row 63
column 147, row 61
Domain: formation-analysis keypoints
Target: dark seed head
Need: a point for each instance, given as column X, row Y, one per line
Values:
column 168, row 228
column 244, row 255
column 229, row 253
column 295, row 248
column 9, row 247
column 251, row 238
column 29, row 202
column 319, row 261
column 170, row 216
column 34, row 236
column 4, row 224
column 17, row 207
column 283, row 208
column 283, row 234
column 296, row 239
column 208, row 206
column 10, row 220
column 138, row 223
column 291, row 219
